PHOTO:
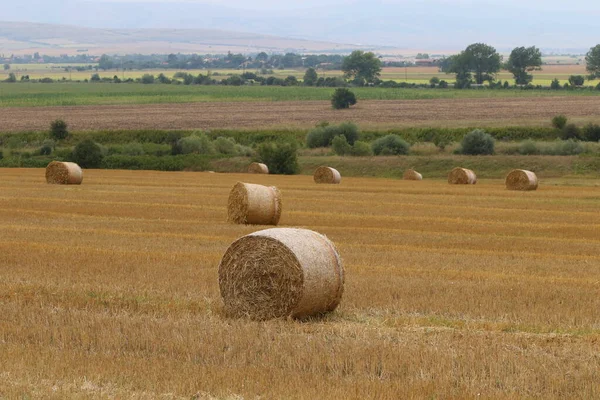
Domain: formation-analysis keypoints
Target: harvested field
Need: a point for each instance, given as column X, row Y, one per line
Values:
column 259, row 114
column 110, row 290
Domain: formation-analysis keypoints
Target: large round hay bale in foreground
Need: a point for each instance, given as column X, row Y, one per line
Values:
column 254, row 204
column 462, row 176
column 520, row 179
column 281, row 272
column 327, row 175
column 258, row 168
column 412, row 175
column 64, row 173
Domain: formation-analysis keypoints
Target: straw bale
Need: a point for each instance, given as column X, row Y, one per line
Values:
column 327, row 175
column 64, row 173
column 281, row 272
column 462, row 176
column 412, row 175
column 254, row 204
column 520, row 179
column 258, row 168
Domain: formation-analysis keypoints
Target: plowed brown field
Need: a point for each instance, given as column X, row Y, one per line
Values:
column 302, row 114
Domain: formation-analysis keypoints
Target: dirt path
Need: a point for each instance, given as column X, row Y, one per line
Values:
column 438, row 112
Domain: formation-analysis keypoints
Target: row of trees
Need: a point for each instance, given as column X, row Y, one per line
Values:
column 478, row 63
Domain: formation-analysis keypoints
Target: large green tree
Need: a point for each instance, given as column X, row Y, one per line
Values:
column 105, row 62
column 478, row 60
column 592, row 59
column 483, row 60
column 361, row 65
column 310, row 77
column 523, row 60
column 458, row 64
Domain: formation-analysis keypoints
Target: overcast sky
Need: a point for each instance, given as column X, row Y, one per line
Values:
column 422, row 24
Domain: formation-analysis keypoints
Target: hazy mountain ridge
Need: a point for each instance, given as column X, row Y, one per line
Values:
column 427, row 24
column 51, row 38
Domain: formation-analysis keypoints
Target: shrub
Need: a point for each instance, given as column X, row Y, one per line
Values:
column 559, row 121
column 576, row 80
column 340, row 145
column 390, row 145
column 477, row 142
column 591, row 132
column 224, row 145
column 88, row 154
column 570, row 131
column 343, row 98
column 567, row 148
column 244, row 151
column 348, row 130
column 361, row 149
column 316, row 138
column 95, row 78
column 47, row 147
column 58, row 129
column 198, row 144
column 528, row 147
column 434, row 81
column 555, row 85
column 282, row 157
column 133, row 149
column 323, row 135
column 147, row 78
column 443, row 84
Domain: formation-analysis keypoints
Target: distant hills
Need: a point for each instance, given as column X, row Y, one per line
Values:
column 434, row 26
column 51, row 39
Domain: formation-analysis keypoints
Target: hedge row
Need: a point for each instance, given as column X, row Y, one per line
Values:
column 248, row 138
column 188, row 162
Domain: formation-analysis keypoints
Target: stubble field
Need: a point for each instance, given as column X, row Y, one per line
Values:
column 529, row 111
column 109, row 289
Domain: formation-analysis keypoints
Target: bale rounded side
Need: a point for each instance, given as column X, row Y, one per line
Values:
column 412, row 175
column 64, row 173
column 327, row 175
column 258, row 168
column 462, row 176
column 254, row 204
column 520, row 179
column 281, row 272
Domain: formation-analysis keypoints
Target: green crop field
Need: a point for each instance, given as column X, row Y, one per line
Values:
column 75, row 94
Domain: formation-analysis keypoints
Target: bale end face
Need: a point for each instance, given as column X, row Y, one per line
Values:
column 412, row 175
column 327, row 175
column 520, row 179
column 254, row 204
column 281, row 272
column 258, row 168
column 64, row 173
column 462, row 176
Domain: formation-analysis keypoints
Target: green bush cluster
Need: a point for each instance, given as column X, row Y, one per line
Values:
column 477, row 142
column 200, row 143
column 390, row 145
column 281, row 157
column 341, row 147
column 323, row 135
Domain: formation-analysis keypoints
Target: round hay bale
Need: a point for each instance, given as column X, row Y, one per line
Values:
column 258, row 168
column 254, row 204
column 462, row 176
column 327, row 175
column 520, row 179
column 281, row 272
column 64, row 173
column 412, row 175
